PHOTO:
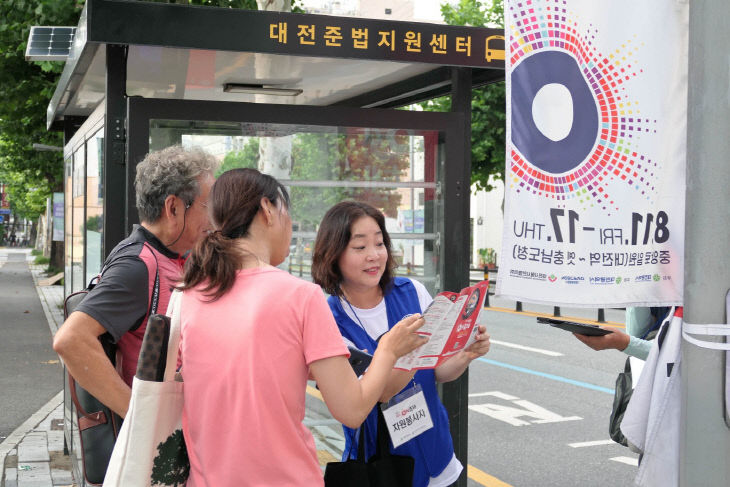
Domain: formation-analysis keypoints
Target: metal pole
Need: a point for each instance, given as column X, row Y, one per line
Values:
column 115, row 176
column 704, row 437
column 486, row 278
column 455, row 254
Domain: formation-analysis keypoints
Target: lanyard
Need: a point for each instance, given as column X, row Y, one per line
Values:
column 356, row 316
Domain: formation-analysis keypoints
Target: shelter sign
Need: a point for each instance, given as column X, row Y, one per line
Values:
column 293, row 34
column 595, row 170
column 318, row 35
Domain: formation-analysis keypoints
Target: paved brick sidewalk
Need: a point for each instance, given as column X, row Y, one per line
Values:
column 38, row 459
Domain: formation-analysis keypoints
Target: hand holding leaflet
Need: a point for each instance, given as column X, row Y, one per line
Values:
column 450, row 325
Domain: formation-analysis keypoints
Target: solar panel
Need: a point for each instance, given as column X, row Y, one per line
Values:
column 49, row 43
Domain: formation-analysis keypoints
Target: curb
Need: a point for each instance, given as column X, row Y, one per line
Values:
column 52, row 322
column 11, row 442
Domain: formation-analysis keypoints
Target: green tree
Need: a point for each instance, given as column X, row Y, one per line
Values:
column 375, row 157
column 475, row 13
column 314, row 158
column 488, row 116
column 25, row 91
column 27, row 193
column 94, row 223
column 320, row 156
column 346, row 157
column 246, row 157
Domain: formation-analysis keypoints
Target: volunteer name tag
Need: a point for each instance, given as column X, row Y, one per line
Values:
column 407, row 416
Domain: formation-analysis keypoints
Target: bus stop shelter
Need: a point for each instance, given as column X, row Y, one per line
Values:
column 313, row 98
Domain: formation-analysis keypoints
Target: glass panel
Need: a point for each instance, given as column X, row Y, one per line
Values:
column 78, row 222
column 67, row 225
column 395, row 170
column 316, row 152
column 94, row 204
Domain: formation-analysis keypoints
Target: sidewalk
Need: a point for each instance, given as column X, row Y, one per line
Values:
column 32, row 456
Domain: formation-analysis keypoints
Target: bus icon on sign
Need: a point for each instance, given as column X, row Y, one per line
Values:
column 494, row 52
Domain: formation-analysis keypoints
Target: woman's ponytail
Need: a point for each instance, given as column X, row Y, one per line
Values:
column 234, row 199
column 214, row 261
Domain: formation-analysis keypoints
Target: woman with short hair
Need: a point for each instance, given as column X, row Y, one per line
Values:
column 353, row 262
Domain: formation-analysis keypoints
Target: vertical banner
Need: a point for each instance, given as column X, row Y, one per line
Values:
column 596, row 148
column 58, row 217
column 4, row 205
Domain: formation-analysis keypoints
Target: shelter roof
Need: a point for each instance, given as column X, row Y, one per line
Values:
column 190, row 52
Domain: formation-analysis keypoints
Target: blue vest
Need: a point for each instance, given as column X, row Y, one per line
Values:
column 432, row 450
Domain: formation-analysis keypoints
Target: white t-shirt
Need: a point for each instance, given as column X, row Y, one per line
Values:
column 375, row 323
column 375, row 320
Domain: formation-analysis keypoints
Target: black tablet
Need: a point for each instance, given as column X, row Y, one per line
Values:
column 572, row 326
column 359, row 360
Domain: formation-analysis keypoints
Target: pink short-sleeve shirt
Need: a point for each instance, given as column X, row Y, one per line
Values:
column 245, row 363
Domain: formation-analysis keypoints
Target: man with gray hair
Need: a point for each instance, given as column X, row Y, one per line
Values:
column 172, row 187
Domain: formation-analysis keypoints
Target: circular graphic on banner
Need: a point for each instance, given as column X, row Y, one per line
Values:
column 528, row 79
column 552, row 110
column 573, row 128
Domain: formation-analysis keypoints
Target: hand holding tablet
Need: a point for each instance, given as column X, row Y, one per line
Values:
column 359, row 360
column 574, row 327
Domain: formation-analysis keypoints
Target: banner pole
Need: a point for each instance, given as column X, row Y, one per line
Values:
column 704, row 437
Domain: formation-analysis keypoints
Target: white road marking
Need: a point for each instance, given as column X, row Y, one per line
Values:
column 498, row 394
column 627, row 460
column 526, row 348
column 511, row 414
column 591, row 443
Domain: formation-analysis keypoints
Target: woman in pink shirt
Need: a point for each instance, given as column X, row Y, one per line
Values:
column 252, row 335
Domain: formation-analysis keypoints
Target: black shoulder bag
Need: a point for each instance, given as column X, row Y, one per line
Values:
column 382, row 469
column 98, row 425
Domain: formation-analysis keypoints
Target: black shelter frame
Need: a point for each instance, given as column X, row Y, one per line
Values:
column 115, row 25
